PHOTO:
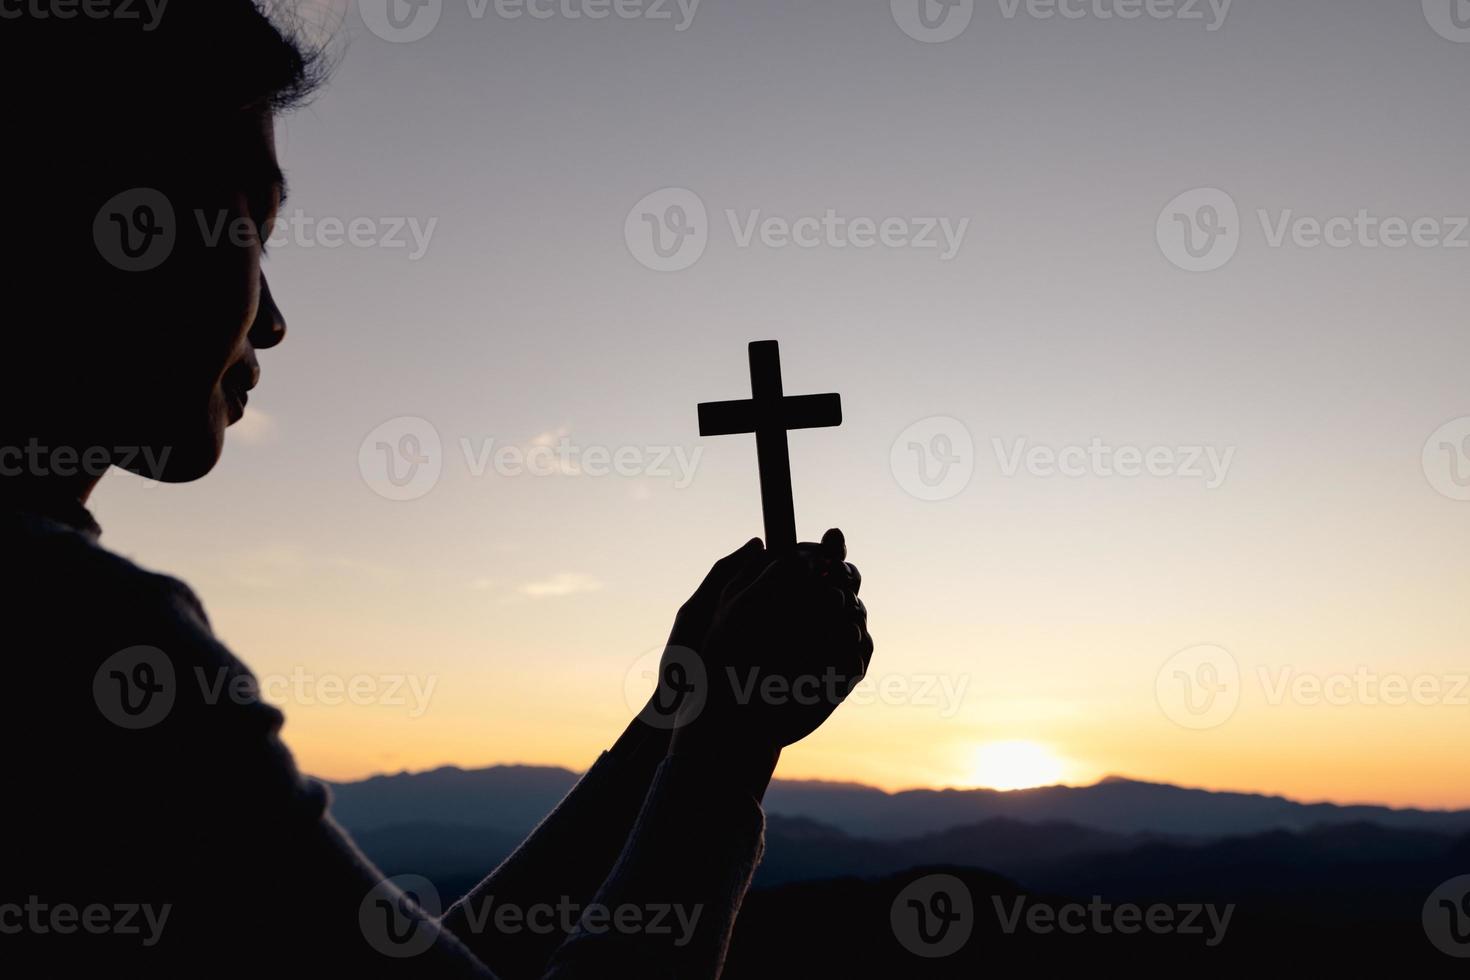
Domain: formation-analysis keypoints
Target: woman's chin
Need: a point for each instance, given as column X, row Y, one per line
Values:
column 187, row 455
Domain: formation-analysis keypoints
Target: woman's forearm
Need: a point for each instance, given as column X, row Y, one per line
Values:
column 518, row 915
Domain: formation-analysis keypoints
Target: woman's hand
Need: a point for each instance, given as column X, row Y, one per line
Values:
column 766, row 650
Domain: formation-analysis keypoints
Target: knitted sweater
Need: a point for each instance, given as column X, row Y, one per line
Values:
column 157, row 822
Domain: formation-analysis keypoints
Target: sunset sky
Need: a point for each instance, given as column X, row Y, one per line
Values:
column 1030, row 624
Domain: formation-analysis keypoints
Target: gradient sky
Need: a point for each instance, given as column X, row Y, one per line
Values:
column 1051, row 603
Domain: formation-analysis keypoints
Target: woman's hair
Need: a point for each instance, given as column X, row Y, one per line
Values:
column 115, row 63
column 300, row 68
column 117, row 95
column 125, row 90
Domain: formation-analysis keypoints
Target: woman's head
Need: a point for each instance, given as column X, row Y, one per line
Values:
column 144, row 174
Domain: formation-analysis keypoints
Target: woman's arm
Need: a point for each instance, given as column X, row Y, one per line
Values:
column 543, row 886
column 669, row 905
column 561, row 864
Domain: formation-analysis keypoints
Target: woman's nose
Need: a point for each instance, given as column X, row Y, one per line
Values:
column 269, row 328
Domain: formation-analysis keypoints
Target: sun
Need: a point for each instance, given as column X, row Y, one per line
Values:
column 1016, row 764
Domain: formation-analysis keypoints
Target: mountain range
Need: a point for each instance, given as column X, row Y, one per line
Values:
column 512, row 799
column 1338, row 882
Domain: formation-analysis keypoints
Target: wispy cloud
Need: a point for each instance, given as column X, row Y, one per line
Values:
column 281, row 564
column 551, row 438
column 566, row 583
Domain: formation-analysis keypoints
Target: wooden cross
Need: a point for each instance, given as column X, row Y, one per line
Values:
column 769, row 414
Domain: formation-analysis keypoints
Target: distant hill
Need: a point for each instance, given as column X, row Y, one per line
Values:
column 1123, row 806
column 513, row 799
column 800, row 849
column 1317, row 879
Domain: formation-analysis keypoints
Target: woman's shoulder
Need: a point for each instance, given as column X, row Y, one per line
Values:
column 55, row 565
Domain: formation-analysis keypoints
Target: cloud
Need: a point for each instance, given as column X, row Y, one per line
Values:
column 282, row 564
column 566, row 583
column 255, row 428
column 551, row 439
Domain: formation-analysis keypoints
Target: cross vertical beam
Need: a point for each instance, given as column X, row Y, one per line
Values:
column 771, row 451
column 769, row 413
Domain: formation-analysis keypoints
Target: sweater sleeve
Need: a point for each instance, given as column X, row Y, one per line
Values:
column 519, row 914
column 668, row 906
column 158, row 780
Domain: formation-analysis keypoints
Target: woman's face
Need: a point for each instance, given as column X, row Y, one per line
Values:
column 189, row 362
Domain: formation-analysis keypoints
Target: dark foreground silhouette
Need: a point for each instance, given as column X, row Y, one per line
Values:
column 156, row 824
